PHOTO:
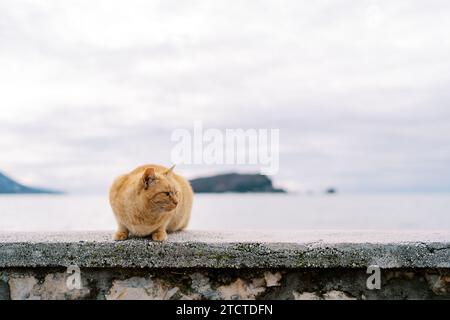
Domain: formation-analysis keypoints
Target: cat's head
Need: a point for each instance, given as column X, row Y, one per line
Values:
column 159, row 190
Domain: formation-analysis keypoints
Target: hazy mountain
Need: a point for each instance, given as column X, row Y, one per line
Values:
column 234, row 182
column 8, row 185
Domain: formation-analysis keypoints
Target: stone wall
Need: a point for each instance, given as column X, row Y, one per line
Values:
column 221, row 265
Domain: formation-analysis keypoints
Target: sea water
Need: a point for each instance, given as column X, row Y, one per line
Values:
column 240, row 211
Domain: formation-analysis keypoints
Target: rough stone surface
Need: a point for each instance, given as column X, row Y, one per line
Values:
column 136, row 288
column 272, row 279
column 242, row 290
column 239, row 284
column 21, row 287
column 53, row 287
column 205, row 265
column 197, row 249
column 4, row 290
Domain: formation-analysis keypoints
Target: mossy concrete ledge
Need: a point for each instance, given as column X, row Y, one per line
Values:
column 197, row 249
column 227, row 265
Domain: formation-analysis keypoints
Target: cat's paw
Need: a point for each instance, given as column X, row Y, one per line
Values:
column 159, row 235
column 120, row 236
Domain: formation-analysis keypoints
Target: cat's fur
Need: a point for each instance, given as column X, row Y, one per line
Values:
column 150, row 200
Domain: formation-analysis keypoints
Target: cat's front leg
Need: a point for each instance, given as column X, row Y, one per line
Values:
column 121, row 233
column 159, row 235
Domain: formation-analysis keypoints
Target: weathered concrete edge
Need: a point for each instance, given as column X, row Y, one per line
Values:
column 97, row 250
column 251, row 255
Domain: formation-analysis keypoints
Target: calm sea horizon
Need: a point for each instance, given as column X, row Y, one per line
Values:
column 240, row 212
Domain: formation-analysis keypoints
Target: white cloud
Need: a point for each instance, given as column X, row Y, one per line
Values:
column 358, row 89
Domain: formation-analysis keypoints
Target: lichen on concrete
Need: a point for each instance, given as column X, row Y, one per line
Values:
column 197, row 249
column 206, row 265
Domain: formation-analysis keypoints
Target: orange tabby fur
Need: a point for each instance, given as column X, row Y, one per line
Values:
column 150, row 200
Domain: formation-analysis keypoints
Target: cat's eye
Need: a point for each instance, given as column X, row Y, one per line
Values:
column 167, row 193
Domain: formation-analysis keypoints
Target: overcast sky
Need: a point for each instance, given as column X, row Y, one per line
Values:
column 360, row 90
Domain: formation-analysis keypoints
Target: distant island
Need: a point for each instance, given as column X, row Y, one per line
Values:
column 8, row 185
column 234, row 182
column 331, row 191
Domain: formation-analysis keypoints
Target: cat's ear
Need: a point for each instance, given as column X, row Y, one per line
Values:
column 148, row 177
column 170, row 170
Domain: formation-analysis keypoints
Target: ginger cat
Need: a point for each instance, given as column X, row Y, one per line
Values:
column 151, row 199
